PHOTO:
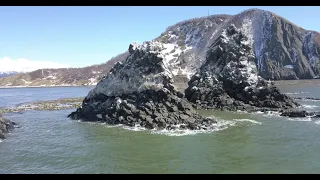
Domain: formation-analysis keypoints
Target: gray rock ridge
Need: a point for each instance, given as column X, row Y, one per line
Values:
column 6, row 126
column 229, row 78
column 140, row 92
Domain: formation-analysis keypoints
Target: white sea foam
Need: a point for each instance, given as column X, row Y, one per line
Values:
column 307, row 119
column 296, row 93
column 241, row 112
column 1, row 140
column 317, row 122
column 88, row 122
column 267, row 113
column 180, row 132
column 309, row 106
column 221, row 125
column 247, row 120
column 135, row 128
column 257, row 112
column 313, row 100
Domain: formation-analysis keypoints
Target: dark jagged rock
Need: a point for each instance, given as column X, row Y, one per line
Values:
column 295, row 113
column 140, row 91
column 5, row 126
column 229, row 79
column 300, row 113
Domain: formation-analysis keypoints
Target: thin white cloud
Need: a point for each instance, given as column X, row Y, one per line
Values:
column 25, row 65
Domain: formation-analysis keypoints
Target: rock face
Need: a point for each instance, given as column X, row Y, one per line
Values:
column 282, row 49
column 139, row 91
column 229, row 78
column 5, row 127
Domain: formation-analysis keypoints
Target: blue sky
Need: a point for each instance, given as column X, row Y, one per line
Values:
column 81, row 36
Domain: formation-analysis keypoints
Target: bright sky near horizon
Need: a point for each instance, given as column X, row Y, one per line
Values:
column 53, row 36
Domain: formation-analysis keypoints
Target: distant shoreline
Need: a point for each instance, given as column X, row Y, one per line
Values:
column 277, row 82
column 12, row 87
column 49, row 105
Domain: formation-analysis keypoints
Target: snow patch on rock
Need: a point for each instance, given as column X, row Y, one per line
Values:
column 145, row 68
column 289, row 66
column 262, row 26
column 310, row 48
column 247, row 30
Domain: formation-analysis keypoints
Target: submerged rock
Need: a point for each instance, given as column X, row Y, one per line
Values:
column 140, row 91
column 300, row 113
column 5, row 126
column 229, row 78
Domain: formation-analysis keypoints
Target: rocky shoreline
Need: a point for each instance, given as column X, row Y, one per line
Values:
column 50, row 105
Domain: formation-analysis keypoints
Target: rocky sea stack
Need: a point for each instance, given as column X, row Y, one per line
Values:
column 229, row 79
column 140, row 91
column 5, row 126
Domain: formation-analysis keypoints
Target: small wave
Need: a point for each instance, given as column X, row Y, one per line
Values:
column 134, row 128
column 305, row 119
column 247, row 120
column 258, row 112
column 88, row 122
column 272, row 113
column 317, row 122
column 112, row 125
column 221, row 125
column 1, row 140
column 267, row 113
column 180, row 132
column 309, row 106
column 296, row 93
column 241, row 112
column 312, row 100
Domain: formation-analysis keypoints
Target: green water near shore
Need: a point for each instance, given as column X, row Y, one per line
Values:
column 48, row 142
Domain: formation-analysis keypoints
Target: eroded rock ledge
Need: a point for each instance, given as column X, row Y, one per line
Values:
column 229, row 79
column 140, row 91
